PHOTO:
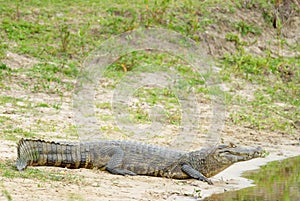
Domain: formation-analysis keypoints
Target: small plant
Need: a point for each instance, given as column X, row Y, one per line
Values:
column 7, row 195
column 245, row 28
column 236, row 39
column 3, row 66
column 83, row 36
column 64, row 37
column 155, row 14
column 18, row 13
column 197, row 194
column 246, row 64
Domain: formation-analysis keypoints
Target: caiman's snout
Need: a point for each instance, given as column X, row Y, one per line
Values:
column 235, row 154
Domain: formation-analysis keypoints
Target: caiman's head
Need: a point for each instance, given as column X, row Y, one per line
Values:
column 211, row 162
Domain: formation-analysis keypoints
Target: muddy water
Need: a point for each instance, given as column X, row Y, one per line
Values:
column 276, row 181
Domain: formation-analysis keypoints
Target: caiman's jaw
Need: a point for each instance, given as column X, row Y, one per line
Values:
column 231, row 154
column 210, row 163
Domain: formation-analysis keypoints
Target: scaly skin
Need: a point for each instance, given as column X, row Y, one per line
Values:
column 132, row 158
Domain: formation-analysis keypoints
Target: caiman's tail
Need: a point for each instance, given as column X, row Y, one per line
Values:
column 40, row 152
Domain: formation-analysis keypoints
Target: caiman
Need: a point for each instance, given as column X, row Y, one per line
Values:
column 133, row 158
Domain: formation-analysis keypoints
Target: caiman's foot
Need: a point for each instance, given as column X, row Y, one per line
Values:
column 195, row 174
column 204, row 179
column 209, row 182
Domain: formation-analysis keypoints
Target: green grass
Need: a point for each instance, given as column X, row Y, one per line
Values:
column 276, row 103
column 75, row 197
column 59, row 35
column 245, row 28
column 9, row 170
column 162, row 97
column 154, row 62
column 6, row 195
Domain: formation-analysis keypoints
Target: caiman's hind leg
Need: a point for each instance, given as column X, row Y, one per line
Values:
column 115, row 162
column 195, row 174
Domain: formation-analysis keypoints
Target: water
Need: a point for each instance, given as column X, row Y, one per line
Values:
column 276, row 181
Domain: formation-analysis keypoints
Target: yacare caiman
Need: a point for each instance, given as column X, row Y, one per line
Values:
column 133, row 158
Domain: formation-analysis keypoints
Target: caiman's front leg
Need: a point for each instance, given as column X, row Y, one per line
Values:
column 195, row 174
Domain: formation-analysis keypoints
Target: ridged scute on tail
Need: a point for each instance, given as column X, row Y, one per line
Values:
column 48, row 153
column 27, row 153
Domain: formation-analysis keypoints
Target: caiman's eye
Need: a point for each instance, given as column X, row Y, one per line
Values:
column 232, row 145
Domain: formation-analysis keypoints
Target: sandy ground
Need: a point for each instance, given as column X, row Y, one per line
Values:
column 51, row 123
column 99, row 185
